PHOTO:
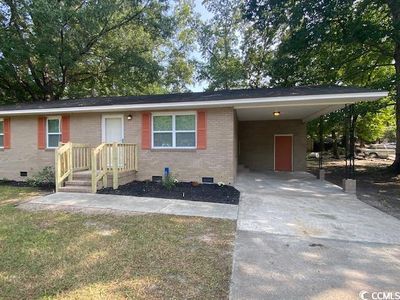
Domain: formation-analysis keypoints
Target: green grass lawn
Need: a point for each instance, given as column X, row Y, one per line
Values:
column 60, row 255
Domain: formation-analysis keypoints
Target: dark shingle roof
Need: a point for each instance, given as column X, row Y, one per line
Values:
column 189, row 97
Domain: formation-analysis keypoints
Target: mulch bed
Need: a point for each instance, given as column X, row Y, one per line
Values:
column 45, row 187
column 181, row 191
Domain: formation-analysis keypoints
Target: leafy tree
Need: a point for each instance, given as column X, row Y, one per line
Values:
column 180, row 67
column 373, row 126
column 257, row 55
column 74, row 48
column 332, row 126
column 346, row 42
column 219, row 40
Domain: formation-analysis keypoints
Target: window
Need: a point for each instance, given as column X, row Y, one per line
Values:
column 53, row 132
column 174, row 131
column 1, row 133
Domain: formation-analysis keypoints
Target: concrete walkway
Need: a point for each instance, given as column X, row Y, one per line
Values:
column 139, row 204
column 299, row 238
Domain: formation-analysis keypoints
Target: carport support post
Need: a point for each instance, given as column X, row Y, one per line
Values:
column 349, row 183
column 321, row 171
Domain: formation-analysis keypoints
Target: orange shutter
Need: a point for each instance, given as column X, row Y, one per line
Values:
column 65, row 129
column 201, row 130
column 7, row 133
column 41, row 133
column 146, row 130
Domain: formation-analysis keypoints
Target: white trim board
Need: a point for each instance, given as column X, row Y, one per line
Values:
column 327, row 99
column 53, row 133
column 2, row 133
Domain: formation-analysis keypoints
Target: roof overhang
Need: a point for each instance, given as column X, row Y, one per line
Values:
column 305, row 108
column 319, row 104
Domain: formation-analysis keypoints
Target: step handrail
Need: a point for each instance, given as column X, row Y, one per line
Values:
column 63, row 164
column 99, row 166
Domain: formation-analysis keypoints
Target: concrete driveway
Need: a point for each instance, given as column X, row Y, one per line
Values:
column 299, row 238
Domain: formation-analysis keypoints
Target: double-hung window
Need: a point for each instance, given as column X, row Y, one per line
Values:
column 53, row 132
column 174, row 130
column 1, row 133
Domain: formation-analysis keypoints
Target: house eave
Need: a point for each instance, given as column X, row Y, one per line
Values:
column 328, row 99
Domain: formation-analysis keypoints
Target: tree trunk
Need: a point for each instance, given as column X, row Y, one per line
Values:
column 395, row 11
column 396, row 164
column 335, row 151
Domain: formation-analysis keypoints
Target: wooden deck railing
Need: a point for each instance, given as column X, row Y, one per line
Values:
column 103, row 160
column 81, row 157
column 99, row 166
column 121, row 157
column 63, row 164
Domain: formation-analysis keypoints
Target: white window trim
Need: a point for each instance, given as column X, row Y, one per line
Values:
column 52, row 133
column 2, row 133
column 103, row 125
column 174, row 131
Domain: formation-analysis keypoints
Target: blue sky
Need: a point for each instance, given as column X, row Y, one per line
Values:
column 205, row 15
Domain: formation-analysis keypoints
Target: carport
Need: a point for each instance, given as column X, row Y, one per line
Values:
column 271, row 131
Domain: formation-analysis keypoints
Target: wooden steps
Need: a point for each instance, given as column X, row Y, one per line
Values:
column 81, row 183
column 75, row 189
column 83, row 176
column 111, row 163
column 78, row 183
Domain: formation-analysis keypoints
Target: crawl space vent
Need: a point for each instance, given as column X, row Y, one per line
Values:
column 156, row 178
column 207, row 179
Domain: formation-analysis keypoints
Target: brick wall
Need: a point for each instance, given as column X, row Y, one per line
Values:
column 256, row 139
column 24, row 154
column 217, row 161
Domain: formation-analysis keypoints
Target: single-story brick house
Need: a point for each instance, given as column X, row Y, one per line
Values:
column 198, row 136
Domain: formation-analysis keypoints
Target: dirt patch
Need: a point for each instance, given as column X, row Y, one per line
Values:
column 209, row 238
column 376, row 184
column 181, row 191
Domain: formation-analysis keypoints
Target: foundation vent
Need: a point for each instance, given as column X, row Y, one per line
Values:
column 156, row 178
column 207, row 179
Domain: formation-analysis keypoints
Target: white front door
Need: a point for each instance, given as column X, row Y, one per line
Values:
column 113, row 129
column 113, row 132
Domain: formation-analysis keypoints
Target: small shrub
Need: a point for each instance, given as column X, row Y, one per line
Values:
column 44, row 178
column 169, row 181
